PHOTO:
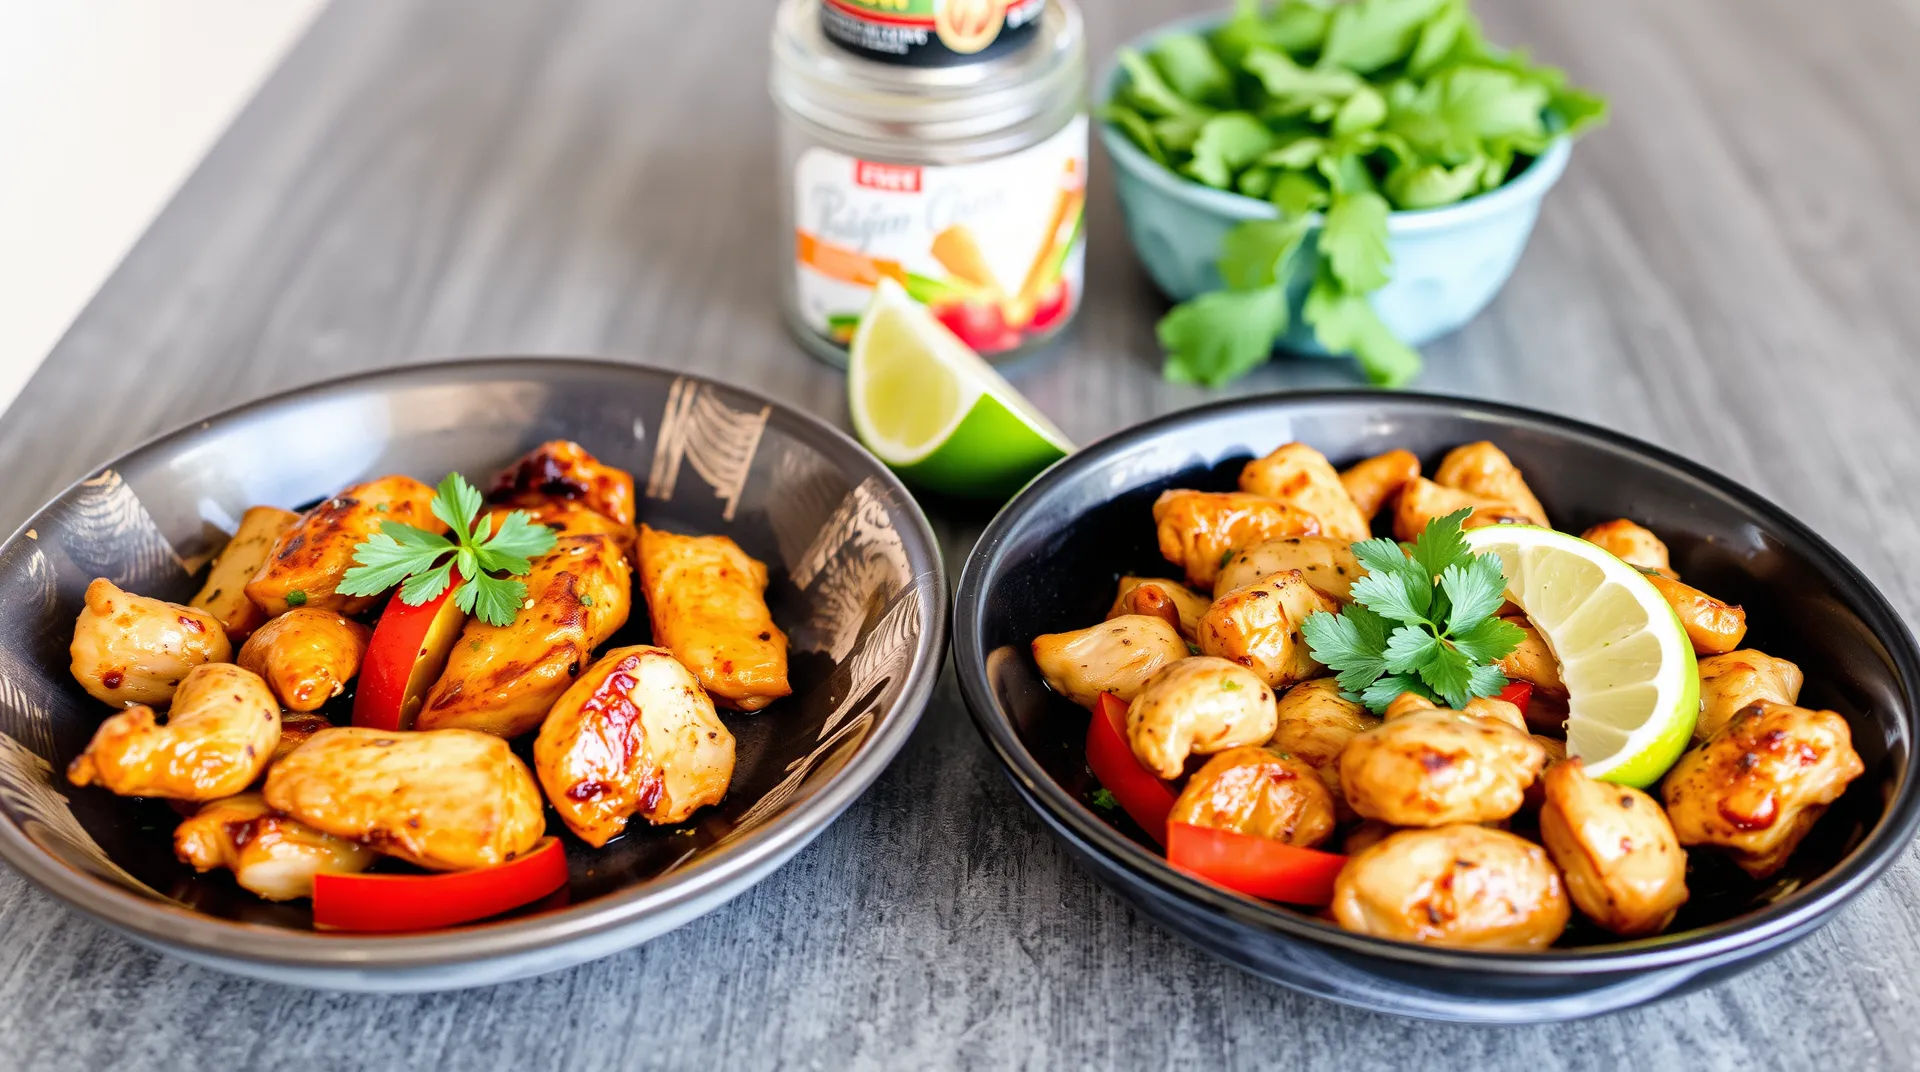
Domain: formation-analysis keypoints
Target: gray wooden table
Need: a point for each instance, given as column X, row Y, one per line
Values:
column 1728, row 270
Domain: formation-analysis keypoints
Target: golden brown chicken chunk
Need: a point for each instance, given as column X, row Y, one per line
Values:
column 1755, row 788
column 1408, row 703
column 307, row 656
column 1116, row 656
column 270, row 855
column 1714, row 627
column 1198, row 530
column 1197, row 706
column 448, row 800
column 296, row 728
column 1632, row 544
column 501, row 679
column 1461, row 885
column 566, row 517
column 1372, row 482
column 1179, row 605
column 563, row 469
column 1533, row 661
column 1328, row 565
column 308, row 560
column 1731, row 683
column 217, row 739
column 1422, row 500
column 1431, row 768
column 1301, row 476
column 1259, row 627
column 130, row 649
column 1251, row 790
column 1315, row 724
column 1484, row 470
column 707, row 600
column 225, row 594
column 1623, row 866
column 637, row 735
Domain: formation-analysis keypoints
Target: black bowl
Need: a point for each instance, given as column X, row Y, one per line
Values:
column 1049, row 562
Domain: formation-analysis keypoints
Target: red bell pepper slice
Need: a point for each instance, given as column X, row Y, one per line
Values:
column 1139, row 792
column 1261, row 867
column 1518, row 693
column 423, row 902
column 408, row 651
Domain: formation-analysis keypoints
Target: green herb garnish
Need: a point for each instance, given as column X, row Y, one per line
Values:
column 298, row 598
column 1104, row 800
column 422, row 563
column 1422, row 621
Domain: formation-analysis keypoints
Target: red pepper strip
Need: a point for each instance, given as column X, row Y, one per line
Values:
column 1139, row 791
column 423, row 902
column 1518, row 693
column 1261, row 867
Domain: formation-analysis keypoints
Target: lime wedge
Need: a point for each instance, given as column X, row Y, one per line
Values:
column 934, row 411
column 1632, row 684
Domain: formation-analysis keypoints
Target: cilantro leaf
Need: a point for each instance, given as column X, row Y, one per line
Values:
column 1300, row 152
column 1192, row 70
column 1350, row 643
column 491, row 599
column 1346, row 324
column 1418, row 186
column 1228, row 142
column 1462, row 106
column 426, row 587
column 1489, row 640
column 389, row 556
column 1220, row 336
column 1475, row 589
column 1149, row 92
column 1296, row 193
column 1287, row 81
column 1442, row 543
column 1364, row 110
column 1410, row 648
column 1447, row 673
column 514, row 542
column 1137, row 128
column 1255, row 253
column 1370, row 34
column 1354, row 241
column 1485, row 680
column 1396, row 596
column 1387, row 689
column 1438, row 37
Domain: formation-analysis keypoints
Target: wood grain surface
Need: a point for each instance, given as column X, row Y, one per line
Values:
column 1728, row 270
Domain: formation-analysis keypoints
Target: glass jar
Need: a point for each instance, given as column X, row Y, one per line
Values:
column 963, row 182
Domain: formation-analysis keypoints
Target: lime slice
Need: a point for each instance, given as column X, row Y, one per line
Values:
column 1632, row 684
column 934, row 411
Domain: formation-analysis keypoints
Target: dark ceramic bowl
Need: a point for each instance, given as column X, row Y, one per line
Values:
column 1050, row 560
column 856, row 582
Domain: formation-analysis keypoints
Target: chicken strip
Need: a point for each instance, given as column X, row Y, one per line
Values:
column 1301, row 476
column 224, row 595
column 1197, row 706
column 1731, row 683
column 707, row 600
column 1328, row 565
column 1251, row 790
column 1432, row 768
column 1179, row 605
column 130, row 649
column 1259, row 627
column 563, row 469
column 1372, row 482
column 1623, row 866
column 1460, row 885
column 1315, row 724
column 270, row 855
column 1199, row 530
column 636, row 735
column 308, row 560
column 1116, row 656
column 217, row 739
column 1632, row 544
column 1714, row 627
column 307, row 656
column 1484, row 470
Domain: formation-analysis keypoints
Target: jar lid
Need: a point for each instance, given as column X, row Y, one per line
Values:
column 1017, row 91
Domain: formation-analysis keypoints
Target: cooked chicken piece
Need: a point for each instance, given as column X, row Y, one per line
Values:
column 1259, row 627
column 1632, row 544
column 1315, row 724
column 1497, row 710
column 1484, row 470
column 1198, row 530
column 1460, row 885
column 1431, row 768
column 1731, row 683
column 1408, row 703
column 1116, row 656
column 1327, row 564
column 225, row 594
column 270, row 855
column 707, row 600
column 566, row 517
column 502, row 679
column 1160, row 598
column 448, row 800
column 1756, row 787
column 1250, row 790
column 1714, row 627
column 637, row 735
column 1533, row 661
column 308, row 560
column 130, row 649
column 296, row 728
column 307, row 656
column 1623, row 866
column 562, row 469
column 1372, row 482
column 216, row 741
column 1301, row 476
column 1197, row 706
column 1536, row 794
column 1422, row 500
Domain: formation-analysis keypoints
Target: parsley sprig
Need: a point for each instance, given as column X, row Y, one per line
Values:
column 1422, row 621
column 422, row 563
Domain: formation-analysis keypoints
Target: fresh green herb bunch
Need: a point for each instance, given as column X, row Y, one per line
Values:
column 1346, row 109
column 1422, row 620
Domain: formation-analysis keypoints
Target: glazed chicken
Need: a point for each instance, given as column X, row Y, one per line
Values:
column 1714, row 627
column 707, row 600
column 1756, row 787
column 566, row 517
column 225, row 594
column 1371, row 483
column 1116, row 656
column 130, row 649
column 1179, row 605
column 1198, row 706
column 1254, row 791
column 636, row 735
column 1422, row 500
column 308, row 560
column 1431, row 768
column 446, row 800
column 1632, row 544
column 1198, row 530
column 1259, row 627
column 502, row 679
column 1327, row 564
column 1624, row 867
column 218, row 737
column 1460, row 885
column 1484, row 470
column 1315, row 724
column 1301, row 476
column 1731, row 683
column 564, row 470
column 1532, row 661
column 306, row 655
column 269, row 854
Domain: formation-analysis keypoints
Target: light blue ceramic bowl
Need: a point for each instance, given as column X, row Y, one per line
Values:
column 1448, row 262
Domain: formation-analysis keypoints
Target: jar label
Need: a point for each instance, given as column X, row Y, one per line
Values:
column 930, row 33
column 994, row 248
